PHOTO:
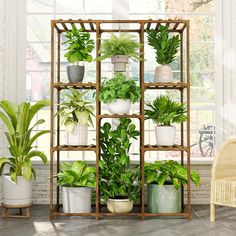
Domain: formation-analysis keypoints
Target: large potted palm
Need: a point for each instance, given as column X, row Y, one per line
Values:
column 19, row 122
column 164, row 180
column 166, row 47
column 76, row 114
column 164, row 112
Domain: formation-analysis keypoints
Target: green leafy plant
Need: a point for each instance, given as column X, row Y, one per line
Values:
column 119, row 87
column 80, row 45
column 117, row 179
column 164, row 111
column 169, row 172
column 18, row 121
column 124, row 44
column 75, row 110
column 166, row 47
column 77, row 174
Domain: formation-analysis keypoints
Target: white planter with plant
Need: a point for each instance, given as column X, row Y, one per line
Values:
column 17, row 184
column 166, row 47
column 119, row 92
column 77, row 181
column 76, row 114
column 120, row 49
column 164, row 112
column 79, row 49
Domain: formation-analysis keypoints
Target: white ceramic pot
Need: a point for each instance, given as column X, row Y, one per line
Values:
column 16, row 194
column 165, row 135
column 76, row 200
column 120, row 62
column 119, row 205
column 79, row 136
column 164, row 74
column 119, row 107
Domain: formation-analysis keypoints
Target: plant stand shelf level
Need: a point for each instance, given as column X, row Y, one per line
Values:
column 98, row 27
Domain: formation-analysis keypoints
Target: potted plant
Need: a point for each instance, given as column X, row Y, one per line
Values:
column 166, row 47
column 164, row 112
column 164, row 180
column 18, row 119
column 120, row 49
column 79, row 49
column 76, row 115
column 77, row 180
column 118, row 93
column 119, row 184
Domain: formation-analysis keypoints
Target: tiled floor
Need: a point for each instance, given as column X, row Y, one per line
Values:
column 39, row 224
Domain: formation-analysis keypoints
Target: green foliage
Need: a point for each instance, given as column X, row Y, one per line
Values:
column 166, row 47
column 80, row 45
column 119, row 87
column 164, row 111
column 164, row 172
column 116, row 177
column 78, row 174
column 75, row 110
column 18, row 121
column 125, row 44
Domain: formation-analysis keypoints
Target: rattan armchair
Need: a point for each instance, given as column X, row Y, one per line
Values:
column 223, row 178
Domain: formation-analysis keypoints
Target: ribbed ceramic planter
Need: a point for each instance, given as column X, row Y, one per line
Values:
column 120, row 62
column 165, row 135
column 119, row 205
column 119, row 107
column 79, row 136
column 163, row 199
column 16, row 194
column 75, row 73
column 164, row 74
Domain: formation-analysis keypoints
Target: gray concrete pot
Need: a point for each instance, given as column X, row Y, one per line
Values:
column 75, row 73
column 163, row 199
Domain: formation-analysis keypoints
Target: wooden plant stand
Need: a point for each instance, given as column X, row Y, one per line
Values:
column 24, row 211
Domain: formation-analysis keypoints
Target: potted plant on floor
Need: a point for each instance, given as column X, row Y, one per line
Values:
column 76, row 114
column 120, row 49
column 119, row 184
column 164, row 112
column 18, row 120
column 77, row 180
column 118, row 93
column 79, row 49
column 166, row 47
column 164, row 180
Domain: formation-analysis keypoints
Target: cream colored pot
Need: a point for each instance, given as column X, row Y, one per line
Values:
column 119, row 205
column 165, row 135
column 164, row 74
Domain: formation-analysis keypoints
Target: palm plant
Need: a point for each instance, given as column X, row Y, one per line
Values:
column 18, row 121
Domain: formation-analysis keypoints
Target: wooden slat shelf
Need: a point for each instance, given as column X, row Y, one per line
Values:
column 179, row 85
column 120, row 116
column 74, row 148
column 165, row 148
column 75, row 85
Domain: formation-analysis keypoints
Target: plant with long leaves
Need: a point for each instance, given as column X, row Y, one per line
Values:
column 18, row 121
column 166, row 46
column 77, row 174
column 75, row 110
column 165, row 111
column 124, row 44
column 169, row 172
column 117, row 179
column 80, row 45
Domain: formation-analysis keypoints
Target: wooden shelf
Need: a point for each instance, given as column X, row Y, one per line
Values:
column 120, row 116
column 178, row 85
column 74, row 148
column 74, row 85
column 165, row 148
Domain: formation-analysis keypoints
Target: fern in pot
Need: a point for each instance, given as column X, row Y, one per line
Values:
column 164, row 112
column 76, row 115
column 164, row 180
column 166, row 47
column 79, row 49
column 119, row 92
column 18, row 120
column 120, row 49
column 77, row 180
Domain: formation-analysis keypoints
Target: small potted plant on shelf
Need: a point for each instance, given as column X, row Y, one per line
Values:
column 118, row 93
column 120, row 49
column 18, row 119
column 77, row 180
column 163, row 111
column 166, row 47
column 76, row 114
column 119, row 184
column 79, row 49
column 164, row 180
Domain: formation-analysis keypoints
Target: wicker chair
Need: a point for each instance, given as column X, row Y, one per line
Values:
column 223, row 178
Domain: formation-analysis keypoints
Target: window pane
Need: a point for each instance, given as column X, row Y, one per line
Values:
column 40, row 6
column 201, row 6
column 98, row 6
column 69, row 6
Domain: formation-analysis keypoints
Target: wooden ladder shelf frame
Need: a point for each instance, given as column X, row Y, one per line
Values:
column 139, row 26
